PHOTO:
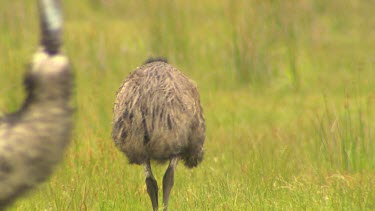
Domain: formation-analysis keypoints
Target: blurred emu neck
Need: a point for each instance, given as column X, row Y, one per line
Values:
column 41, row 106
column 54, row 98
column 54, row 91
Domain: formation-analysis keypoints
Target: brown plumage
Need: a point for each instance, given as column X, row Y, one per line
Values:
column 158, row 116
column 33, row 139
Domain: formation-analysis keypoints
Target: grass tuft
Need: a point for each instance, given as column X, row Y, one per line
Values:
column 344, row 138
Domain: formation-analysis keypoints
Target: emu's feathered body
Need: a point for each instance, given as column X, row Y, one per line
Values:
column 157, row 115
column 33, row 139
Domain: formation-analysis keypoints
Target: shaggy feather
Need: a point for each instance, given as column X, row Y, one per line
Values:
column 157, row 115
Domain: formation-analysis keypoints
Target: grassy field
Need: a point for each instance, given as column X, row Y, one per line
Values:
column 286, row 86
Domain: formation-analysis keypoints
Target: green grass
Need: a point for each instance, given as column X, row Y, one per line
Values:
column 345, row 138
column 287, row 90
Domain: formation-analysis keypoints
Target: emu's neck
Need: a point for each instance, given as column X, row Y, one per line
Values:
column 47, row 103
column 47, row 96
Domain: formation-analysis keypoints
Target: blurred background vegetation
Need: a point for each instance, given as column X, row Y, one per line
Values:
column 286, row 87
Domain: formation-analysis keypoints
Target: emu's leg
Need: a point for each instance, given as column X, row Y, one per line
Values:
column 152, row 186
column 168, row 181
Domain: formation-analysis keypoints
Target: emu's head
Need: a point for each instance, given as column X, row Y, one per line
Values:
column 49, row 75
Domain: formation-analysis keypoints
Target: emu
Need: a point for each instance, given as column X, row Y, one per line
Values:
column 33, row 139
column 157, row 115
